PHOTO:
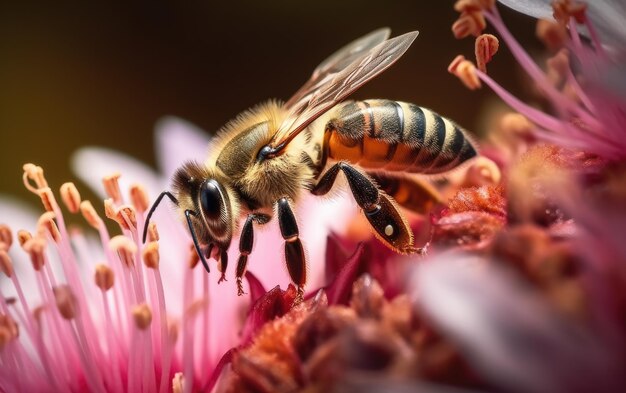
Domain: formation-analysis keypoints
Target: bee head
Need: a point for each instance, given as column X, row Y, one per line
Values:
column 212, row 201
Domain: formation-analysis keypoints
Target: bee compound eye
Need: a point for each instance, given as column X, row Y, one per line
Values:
column 211, row 199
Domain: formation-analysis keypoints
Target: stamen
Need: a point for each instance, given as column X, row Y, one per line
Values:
column 558, row 67
column 193, row 258
column 35, row 248
column 125, row 249
column 70, row 197
column 142, row 316
column 178, row 383
column 23, row 236
column 153, row 233
column 6, row 237
column 35, row 174
column 485, row 47
column 552, row 34
column 473, row 5
column 47, row 198
column 46, row 224
column 482, row 172
column 9, row 330
column 90, row 215
column 6, row 265
column 469, row 23
column 139, row 198
column 104, row 277
column 126, row 218
column 110, row 211
column 564, row 9
column 112, row 187
column 150, row 255
column 66, row 301
column 465, row 71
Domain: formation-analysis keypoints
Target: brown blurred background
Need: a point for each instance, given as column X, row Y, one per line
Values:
column 101, row 73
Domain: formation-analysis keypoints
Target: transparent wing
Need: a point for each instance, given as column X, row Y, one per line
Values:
column 338, row 61
column 337, row 77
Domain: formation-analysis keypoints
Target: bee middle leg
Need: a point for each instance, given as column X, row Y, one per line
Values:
column 246, row 240
column 381, row 211
column 294, row 251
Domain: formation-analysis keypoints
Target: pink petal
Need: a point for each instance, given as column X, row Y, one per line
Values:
column 535, row 8
column 178, row 141
column 91, row 164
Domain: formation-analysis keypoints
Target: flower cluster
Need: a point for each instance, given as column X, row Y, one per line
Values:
column 521, row 286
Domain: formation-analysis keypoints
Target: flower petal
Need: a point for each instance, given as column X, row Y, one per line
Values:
column 91, row 164
column 513, row 338
column 178, row 141
column 535, row 8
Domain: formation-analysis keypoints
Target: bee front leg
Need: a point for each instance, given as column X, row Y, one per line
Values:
column 381, row 211
column 294, row 251
column 246, row 240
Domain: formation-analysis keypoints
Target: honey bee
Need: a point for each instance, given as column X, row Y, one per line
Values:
column 264, row 160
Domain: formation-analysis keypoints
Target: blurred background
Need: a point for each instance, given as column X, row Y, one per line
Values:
column 102, row 73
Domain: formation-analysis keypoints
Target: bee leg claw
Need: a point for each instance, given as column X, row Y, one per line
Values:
column 222, row 278
column 240, row 291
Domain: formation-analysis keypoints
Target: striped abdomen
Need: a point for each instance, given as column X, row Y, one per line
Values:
column 395, row 136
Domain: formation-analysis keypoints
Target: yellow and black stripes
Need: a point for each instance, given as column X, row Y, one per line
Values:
column 396, row 136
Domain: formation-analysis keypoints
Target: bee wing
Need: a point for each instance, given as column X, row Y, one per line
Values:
column 336, row 78
column 338, row 61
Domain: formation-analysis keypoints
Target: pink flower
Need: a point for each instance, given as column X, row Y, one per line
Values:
column 151, row 322
column 582, row 82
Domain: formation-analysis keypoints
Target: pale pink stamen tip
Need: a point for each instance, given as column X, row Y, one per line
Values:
column 35, row 248
column 473, row 5
column 112, row 187
column 110, row 211
column 516, row 123
column 23, row 236
column 193, row 258
column 465, row 71
column 104, row 277
column 469, row 23
column 9, row 330
column 565, row 9
column 150, row 255
column 47, row 198
column 6, row 237
column 178, row 383
column 485, row 47
column 125, row 248
column 559, row 64
column 46, row 224
column 139, row 198
column 6, row 265
column 66, row 301
column 90, row 215
column 126, row 217
column 70, row 197
column 142, row 316
column 34, row 174
column 551, row 33
column 153, row 233
column 173, row 331
column 483, row 172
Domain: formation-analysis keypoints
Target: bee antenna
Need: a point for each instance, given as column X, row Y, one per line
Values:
column 153, row 208
column 188, row 214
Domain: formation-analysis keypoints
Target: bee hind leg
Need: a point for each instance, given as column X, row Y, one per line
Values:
column 246, row 240
column 382, row 212
column 294, row 251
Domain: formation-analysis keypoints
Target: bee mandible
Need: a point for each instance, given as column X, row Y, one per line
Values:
column 264, row 160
